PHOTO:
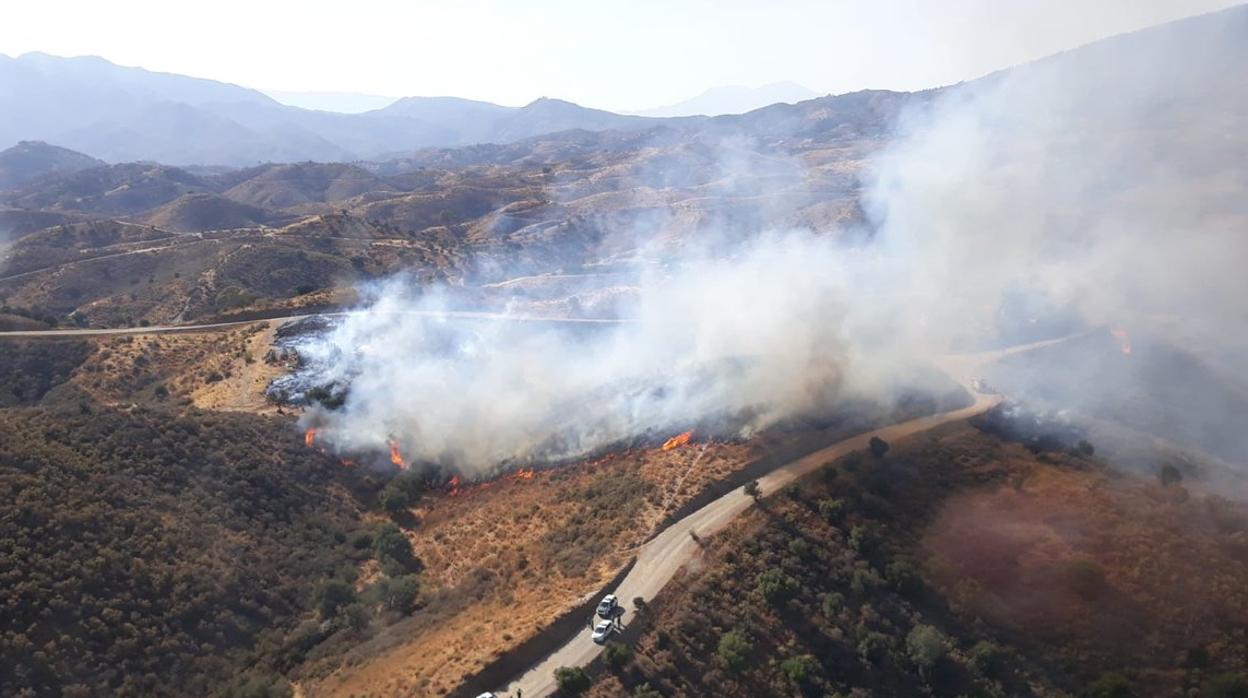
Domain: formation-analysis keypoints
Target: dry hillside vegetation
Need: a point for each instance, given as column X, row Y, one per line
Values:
column 957, row 564
column 212, row 370
column 506, row 557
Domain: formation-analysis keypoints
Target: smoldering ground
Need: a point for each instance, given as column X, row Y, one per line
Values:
column 1103, row 186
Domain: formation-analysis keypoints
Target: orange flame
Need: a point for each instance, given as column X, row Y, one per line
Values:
column 309, row 437
column 677, row 441
column 453, row 486
column 396, row 457
column 523, row 475
column 1124, row 340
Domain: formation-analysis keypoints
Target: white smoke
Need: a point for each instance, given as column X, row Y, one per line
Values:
column 1106, row 182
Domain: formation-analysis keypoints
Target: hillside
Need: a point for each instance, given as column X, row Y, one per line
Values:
column 954, row 565
column 203, row 211
column 157, row 554
column 30, row 160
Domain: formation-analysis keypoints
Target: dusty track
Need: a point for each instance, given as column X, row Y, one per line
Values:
column 170, row 329
column 660, row 558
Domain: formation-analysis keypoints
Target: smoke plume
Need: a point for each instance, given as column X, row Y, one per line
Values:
column 1098, row 187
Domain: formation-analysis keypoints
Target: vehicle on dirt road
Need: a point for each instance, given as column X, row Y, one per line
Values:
column 602, row 631
column 607, row 607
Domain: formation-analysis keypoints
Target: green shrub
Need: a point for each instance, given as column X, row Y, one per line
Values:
column 832, row 510
column 394, row 500
column 397, row 593
column 776, row 586
column 617, row 655
column 904, row 577
column 926, row 646
column 394, row 552
column 734, row 650
column 572, row 681
column 872, row 647
column 333, row 595
column 833, row 604
column 799, row 669
column 987, row 658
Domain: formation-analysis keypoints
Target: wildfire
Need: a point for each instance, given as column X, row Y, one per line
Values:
column 453, row 486
column 396, row 457
column 523, row 475
column 309, row 437
column 1124, row 340
column 677, row 441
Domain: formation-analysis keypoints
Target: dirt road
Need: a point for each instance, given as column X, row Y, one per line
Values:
column 170, row 329
column 660, row 558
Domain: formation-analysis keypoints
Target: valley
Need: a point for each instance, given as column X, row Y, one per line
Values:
column 935, row 392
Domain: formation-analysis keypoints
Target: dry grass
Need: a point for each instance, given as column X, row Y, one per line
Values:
column 212, row 370
column 540, row 545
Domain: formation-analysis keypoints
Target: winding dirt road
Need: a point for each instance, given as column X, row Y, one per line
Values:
column 660, row 558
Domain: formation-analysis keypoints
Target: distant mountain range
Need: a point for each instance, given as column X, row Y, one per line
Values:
column 734, row 99
column 123, row 114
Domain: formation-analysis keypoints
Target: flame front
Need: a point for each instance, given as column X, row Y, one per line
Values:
column 396, row 457
column 453, row 486
column 677, row 441
column 1124, row 340
column 309, row 437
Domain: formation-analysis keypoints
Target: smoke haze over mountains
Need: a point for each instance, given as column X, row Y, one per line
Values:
column 1086, row 184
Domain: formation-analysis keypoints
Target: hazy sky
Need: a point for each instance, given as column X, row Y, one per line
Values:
column 614, row 54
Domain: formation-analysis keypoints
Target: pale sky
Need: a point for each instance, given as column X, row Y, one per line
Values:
column 612, row 54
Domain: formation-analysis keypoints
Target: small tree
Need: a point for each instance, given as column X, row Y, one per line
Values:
column 776, row 586
column 872, row 647
column 878, row 446
column 1169, row 475
column 734, row 650
column 618, row 655
column 644, row 691
column 394, row 552
column 333, row 595
column 987, row 658
column 398, row 593
column 751, row 489
column 572, row 681
column 798, row 669
column 926, row 646
column 832, row 510
column 394, row 500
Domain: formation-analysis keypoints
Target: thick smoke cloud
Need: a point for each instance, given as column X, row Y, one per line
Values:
column 739, row 343
column 1102, row 186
